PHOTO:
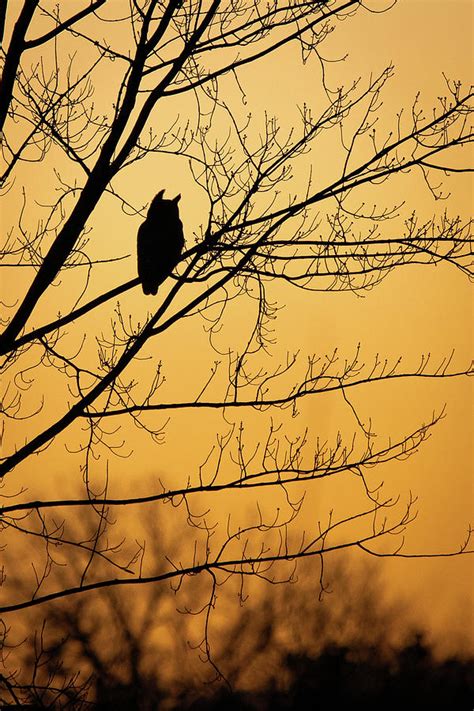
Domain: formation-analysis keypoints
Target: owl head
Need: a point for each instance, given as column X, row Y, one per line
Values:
column 160, row 206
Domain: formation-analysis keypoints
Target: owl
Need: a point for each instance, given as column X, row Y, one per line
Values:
column 160, row 241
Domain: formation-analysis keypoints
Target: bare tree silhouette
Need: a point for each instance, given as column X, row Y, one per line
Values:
column 285, row 649
column 96, row 358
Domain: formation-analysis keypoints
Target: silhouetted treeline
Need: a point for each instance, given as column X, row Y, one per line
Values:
column 338, row 678
column 283, row 649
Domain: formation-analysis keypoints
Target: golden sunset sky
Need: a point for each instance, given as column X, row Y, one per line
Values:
column 414, row 312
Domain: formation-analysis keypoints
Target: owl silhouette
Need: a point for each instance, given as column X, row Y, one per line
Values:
column 160, row 241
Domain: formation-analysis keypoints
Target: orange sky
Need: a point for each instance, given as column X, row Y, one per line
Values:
column 413, row 312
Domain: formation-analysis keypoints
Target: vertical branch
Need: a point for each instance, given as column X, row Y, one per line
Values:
column 13, row 53
column 92, row 192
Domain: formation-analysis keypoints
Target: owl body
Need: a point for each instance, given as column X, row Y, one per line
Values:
column 160, row 241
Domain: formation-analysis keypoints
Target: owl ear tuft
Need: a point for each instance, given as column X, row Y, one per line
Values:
column 177, row 198
column 159, row 195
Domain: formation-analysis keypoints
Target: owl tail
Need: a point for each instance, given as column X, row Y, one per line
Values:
column 150, row 289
